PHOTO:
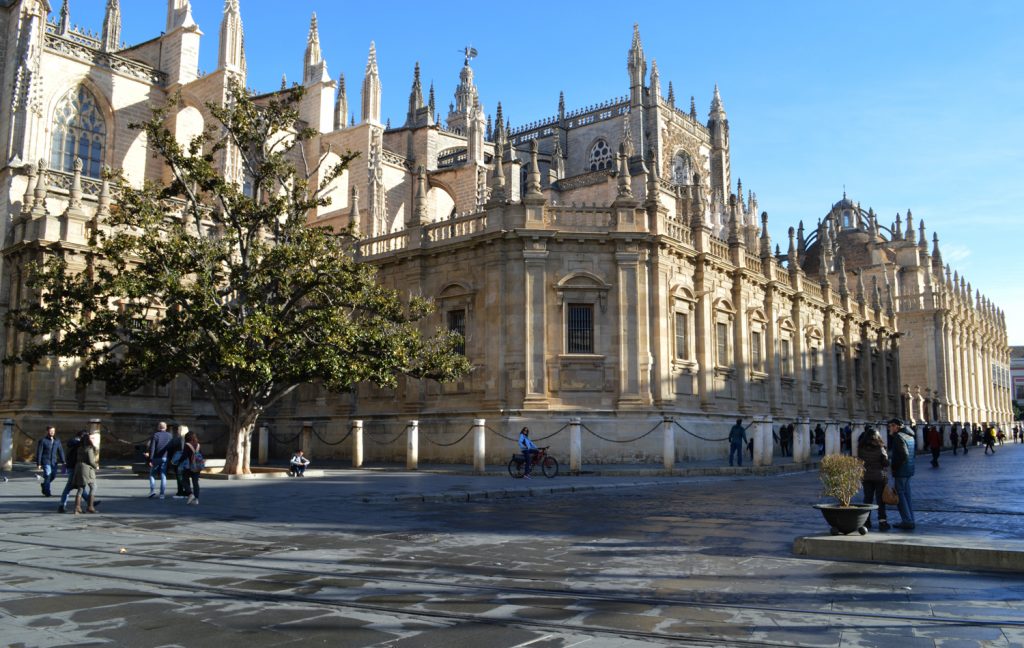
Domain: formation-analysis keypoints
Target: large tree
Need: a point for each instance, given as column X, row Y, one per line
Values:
column 229, row 285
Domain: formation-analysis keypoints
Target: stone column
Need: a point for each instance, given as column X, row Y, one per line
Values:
column 535, row 320
column 668, row 452
column 95, row 432
column 704, row 342
column 740, row 338
column 832, row 445
column 634, row 354
column 357, row 444
column 412, row 449
column 758, row 438
column 307, row 438
column 575, row 446
column 479, row 446
column 7, row 446
column 801, row 443
column 263, row 451
column 768, row 446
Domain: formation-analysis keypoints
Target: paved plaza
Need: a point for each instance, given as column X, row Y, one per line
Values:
column 396, row 559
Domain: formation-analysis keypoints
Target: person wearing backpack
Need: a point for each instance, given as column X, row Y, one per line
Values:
column 193, row 463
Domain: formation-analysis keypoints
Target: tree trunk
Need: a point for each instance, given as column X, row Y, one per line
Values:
column 239, row 452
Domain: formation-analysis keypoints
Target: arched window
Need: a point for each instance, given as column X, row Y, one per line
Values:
column 79, row 131
column 681, row 168
column 600, row 156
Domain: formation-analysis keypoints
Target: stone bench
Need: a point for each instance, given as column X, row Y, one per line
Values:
column 212, row 466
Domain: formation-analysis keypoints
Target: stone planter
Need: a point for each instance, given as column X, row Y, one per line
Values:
column 846, row 519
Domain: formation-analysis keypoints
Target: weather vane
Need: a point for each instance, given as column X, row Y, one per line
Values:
column 470, row 53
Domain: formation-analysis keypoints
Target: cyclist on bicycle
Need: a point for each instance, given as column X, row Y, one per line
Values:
column 528, row 448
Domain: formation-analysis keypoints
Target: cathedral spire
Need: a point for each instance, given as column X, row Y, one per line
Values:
column 354, row 217
column 792, row 256
column 533, row 176
column 671, row 95
column 655, row 82
column 340, row 104
column 371, row 88
column 911, row 236
column 861, row 294
column 717, row 107
column 315, row 66
column 64, row 26
column 766, row 240
column 922, row 240
column 432, row 102
column 844, row 290
column 693, row 108
column 179, row 14
column 936, row 254
column 112, row 26
column 415, row 96
column 232, row 39
column 561, row 105
column 637, row 66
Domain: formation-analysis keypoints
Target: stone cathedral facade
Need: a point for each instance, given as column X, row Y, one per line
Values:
column 601, row 262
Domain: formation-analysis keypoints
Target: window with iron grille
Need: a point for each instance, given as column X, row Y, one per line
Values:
column 722, row 340
column 786, row 354
column 814, row 363
column 457, row 324
column 682, row 337
column 580, row 328
column 755, row 351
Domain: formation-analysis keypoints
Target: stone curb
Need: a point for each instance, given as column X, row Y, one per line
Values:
column 507, row 493
column 916, row 549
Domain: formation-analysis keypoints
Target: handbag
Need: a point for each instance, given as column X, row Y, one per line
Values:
column 889, row 495
column 176, row 458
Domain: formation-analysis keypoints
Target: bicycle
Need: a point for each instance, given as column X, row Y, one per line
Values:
column 548, row 464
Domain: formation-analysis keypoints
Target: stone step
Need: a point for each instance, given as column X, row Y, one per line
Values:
column 920, row 547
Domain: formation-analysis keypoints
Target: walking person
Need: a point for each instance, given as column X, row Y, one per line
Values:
column 965, row 436
column 933, row 441
column 84, row 478
column 159, row 446
column 177, row 453
column 819, row 439
column 49, row 453
column 737, row 439
column 191, row 464
column 902, row 446
column 786, row 440
column 954, row 439
column 871, row 451
column 990, row 439
column 74, row 445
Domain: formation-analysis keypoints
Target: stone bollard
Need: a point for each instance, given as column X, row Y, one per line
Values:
column 95, row 425
column 307, row 438
column 7, row 446
column 769, row 443
column 757, row 436
column 668, row 448
column 412, row 450
column 357, row 444
column 832, row 439
column 479, row 446
column 575, row 446
column 263, row 451
column 801, row 442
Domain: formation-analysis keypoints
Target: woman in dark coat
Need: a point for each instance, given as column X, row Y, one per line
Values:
column 85, row 474
column 871, row 451
column 191, row 472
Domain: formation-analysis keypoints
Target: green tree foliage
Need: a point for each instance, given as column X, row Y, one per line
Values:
column 230, row 287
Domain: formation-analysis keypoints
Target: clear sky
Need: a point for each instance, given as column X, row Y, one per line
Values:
column 906, row 104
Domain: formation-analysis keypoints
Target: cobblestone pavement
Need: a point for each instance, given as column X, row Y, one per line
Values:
column 694, row 561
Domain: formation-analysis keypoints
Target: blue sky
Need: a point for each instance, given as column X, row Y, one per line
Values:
column 915, row 105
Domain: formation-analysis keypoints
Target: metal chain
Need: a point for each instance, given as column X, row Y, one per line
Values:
column 623, row 440
column 447, row 445
column 725, row 438
column 339, row 442
column 552, row 434
column 276, row 438
column 369, row 437
column 496, row 433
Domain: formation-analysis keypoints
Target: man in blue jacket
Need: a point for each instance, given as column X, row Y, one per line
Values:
column 159, row 446
column 901, row 453
column 49, row 453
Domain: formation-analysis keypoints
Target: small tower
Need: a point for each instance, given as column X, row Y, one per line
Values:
column 718, row 124
column 179, row 47
column 371, row 89
column 179, row 12
column 655, row 83
column 314, row 68
column 340, row 104
column 418, row 113
column 637, row 66
column 112, row 26
column 231, row 57
column 465, row 97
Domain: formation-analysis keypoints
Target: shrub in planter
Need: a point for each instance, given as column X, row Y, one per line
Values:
column 840, row 477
